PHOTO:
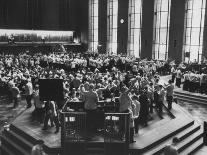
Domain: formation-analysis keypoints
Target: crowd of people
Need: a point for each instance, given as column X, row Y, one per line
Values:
column 195, row 82
column 194, row 79
column 87, row 78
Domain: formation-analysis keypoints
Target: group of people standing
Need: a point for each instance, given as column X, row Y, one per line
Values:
column 136, row 85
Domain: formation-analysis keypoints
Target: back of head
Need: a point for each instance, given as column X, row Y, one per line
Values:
column 91, row 86
column 170, row 150
column 170, row 82
column 39, row 142
column 175, row 140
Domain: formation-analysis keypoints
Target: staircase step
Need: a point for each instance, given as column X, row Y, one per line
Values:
column 8, row 142
column 94, row 154
column 181, row 135
column 94, row 148
column 32, row 140
column 191, row 101
column 189, row 96
column 18, row 139
column 197, row 98
column 6, row 151
column 193, row 148
column 198, row 95
column 96, row 145
column 24, row 135
column 189, row 140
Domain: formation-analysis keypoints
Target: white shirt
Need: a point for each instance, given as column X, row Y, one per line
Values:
column 29, row 88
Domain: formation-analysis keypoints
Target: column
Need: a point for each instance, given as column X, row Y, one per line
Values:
column 147, row 28
column 176, row 31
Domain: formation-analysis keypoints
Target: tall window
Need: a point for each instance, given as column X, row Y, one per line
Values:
column 161, row 29
column 112, row 17
column 134, row 32
column 93, row 25
column 194, row 26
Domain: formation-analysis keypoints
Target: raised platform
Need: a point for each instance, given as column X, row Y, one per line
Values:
column 150, row 140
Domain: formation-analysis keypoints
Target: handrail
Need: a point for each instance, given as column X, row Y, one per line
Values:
column 168, row 111
column 72, row 112
column 205, row 133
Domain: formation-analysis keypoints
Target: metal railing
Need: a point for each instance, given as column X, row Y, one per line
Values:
column 115, row 126
column 73, row 126
column 114, row 130
column 205, row 133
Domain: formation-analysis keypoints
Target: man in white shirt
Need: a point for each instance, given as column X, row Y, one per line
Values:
column 28, row 93
column 178, row 78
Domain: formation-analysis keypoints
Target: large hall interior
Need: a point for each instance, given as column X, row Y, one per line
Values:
column 103, row 77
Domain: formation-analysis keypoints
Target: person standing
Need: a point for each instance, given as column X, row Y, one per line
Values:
column 169, row 93
column 144, row 107
column 131, row 125
column 156, row 89
column 38, row 112
column 15, row 94
column 203, row 83
column 125, row 100
column 161, row 97
column 136, row 110
column 150, row 94
column 52, row 115
column 186, row 81
column 28, row 93
column 173, row 73
column 178, row 77
column 90, row 99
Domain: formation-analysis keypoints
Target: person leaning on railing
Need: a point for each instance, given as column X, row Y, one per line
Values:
column 124, row 100
column 90, row 99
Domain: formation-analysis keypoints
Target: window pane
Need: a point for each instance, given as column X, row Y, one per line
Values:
column 163, row 36
column 161, row 28
column 134, row 29
column 194, row 15
column 112, row 26
column 93, row 24
column 164, row 6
